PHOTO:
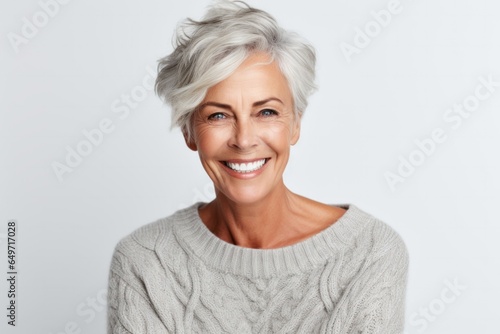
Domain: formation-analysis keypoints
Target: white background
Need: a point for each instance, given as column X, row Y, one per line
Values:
column 78, row 67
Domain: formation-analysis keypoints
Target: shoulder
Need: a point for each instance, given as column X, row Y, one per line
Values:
column 143, row 262
column 385, row 239
column 382, row 247
column 150, row 235
column 375, row 269
column 375, row 240
column 374, row 257
column 139, row 250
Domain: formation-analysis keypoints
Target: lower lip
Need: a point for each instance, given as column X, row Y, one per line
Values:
column 245, row 176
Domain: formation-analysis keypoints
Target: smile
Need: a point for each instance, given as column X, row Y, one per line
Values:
column 246, row 167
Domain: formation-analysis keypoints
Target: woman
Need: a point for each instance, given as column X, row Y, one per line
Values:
column 258, row 258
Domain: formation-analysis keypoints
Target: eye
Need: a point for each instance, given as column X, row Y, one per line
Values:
column 268, row 112
column 216, row 116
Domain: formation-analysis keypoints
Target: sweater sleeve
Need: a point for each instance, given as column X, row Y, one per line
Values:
column 384, row 306
column 374, row 301
column 381, row 309
column 130, row 310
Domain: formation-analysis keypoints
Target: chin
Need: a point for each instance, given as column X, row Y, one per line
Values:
column 248, row 195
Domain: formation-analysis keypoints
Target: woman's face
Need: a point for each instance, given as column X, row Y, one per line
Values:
column 243, row 131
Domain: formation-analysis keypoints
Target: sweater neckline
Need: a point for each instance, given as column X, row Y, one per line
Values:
column 265, row 263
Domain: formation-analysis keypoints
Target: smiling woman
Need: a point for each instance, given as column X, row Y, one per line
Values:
column 245, row 121
column 258, row 258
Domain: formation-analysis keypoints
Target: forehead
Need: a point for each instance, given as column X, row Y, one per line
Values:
column 257, row 78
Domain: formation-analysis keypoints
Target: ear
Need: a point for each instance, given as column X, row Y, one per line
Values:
column 189, row 140
column 296, row 129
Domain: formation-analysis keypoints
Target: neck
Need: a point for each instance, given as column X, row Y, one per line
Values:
column 252, row 225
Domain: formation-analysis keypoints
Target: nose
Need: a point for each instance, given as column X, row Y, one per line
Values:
column 244, row 135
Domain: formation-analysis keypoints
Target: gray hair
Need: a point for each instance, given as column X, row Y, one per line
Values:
column 208, row 51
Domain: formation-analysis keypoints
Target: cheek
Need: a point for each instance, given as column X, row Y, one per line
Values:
column 280, row 133
column 209, row 140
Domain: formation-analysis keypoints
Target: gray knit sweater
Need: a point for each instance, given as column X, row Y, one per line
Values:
column 175, row 276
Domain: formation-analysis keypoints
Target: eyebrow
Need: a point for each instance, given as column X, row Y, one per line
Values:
column 227, row 106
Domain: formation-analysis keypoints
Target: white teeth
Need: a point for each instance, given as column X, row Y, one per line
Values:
column 248, row 167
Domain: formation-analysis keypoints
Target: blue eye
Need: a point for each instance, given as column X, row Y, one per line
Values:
column 268, row 112
column 216, row 116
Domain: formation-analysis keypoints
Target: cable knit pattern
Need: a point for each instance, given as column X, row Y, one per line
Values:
column 175, row 276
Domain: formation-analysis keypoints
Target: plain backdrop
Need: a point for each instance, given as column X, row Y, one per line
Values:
column 387, row 87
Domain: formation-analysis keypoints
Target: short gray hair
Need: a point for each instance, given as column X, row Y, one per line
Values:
column 208, row 51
